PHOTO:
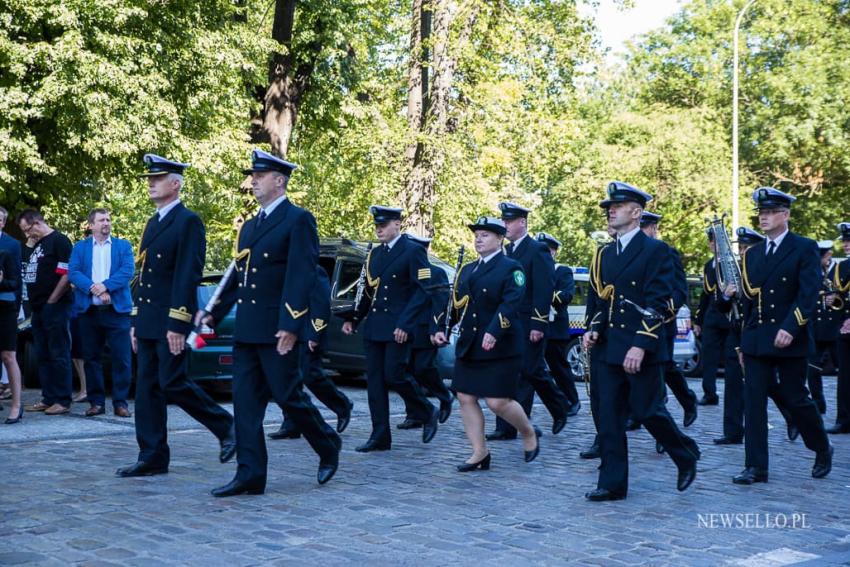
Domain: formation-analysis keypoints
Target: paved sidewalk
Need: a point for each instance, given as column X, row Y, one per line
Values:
column 61, row 503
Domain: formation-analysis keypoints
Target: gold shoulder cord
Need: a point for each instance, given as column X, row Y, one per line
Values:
column 244, row 254
column 705, row 285
column 459, row 303
column 750, row 291
column 373, row 282
column 606, row 292
column 836, row 277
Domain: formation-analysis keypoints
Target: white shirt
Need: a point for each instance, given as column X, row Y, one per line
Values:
column 517, row 242
column 626, row 238
column 777, row 240
column 270, row 209
column 101, row 263
column 489, row 257
column 392, row 242
column 167, row 208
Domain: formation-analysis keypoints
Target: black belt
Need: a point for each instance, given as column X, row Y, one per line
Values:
column 94, row 307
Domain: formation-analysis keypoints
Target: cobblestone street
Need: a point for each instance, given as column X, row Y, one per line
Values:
column 61, row 502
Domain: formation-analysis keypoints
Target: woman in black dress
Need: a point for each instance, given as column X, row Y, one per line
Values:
column 487, row 294
column 9, row 278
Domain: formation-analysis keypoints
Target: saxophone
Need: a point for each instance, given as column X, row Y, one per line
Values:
column 726, row 265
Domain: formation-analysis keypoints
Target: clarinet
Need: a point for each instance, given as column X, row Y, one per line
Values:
column 460, row 254
column 194, row 340
column 361, row 281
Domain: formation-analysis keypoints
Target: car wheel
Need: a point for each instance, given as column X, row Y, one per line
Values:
column 574, row 359
column 693, row 365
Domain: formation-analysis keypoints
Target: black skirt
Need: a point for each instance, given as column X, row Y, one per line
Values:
column 488, row 378
column 8, row 326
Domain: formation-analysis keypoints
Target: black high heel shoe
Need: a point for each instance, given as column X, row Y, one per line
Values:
column 10, row 420
column 531, row 455
column 483, row 464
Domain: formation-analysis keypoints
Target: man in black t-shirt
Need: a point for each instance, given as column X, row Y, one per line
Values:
column 45, row 274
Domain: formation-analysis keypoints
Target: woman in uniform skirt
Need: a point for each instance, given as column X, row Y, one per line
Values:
column 487, row 294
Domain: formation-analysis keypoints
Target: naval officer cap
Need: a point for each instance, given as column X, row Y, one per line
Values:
column 421, row 240
column 382, row 214
column 772, row 198
column 647, row 218
column 490, row 224
column 748, row 236
column 844, row 231
column 619, row 192
column 512, row 211
column 548, row 240
column 264, row 161
column 825, row 246
column 157, row 165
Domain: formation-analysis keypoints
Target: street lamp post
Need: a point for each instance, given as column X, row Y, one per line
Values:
column 735, row 214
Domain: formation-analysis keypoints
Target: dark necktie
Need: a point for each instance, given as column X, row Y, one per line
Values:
column 771, row 248
column 619, row 247
column 510, row 249
column 261, row 218
column 478, row 265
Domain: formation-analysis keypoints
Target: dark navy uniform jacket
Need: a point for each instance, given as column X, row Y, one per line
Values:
column 487, row 300
column 434, row 313
column 707, row 314
column 680, row 295
column 643, row 273
column 828, row 319
column 320, row 309
column 565, row 288
column 276, row 272
column 841, row 279
column 780, row 293
column 171, row 264
column 539, row 268
column 396, row 292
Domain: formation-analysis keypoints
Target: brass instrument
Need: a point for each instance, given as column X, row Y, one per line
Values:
column 361, row 281
column 829, row 286
column 726, row 265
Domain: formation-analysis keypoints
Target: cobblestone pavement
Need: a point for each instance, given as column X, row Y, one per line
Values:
column 60, row 502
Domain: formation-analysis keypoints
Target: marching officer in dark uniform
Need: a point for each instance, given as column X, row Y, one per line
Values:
column 277, row 257
column 673, row 377
column 539, row 268
column 312, row 372
column 398, row 277
column 712, row 327
column 423, row 353
column 841, row 279
column 171, row 263
column 489, row 350
column 781, row 278
column 558, row 335
column 827, row 323
column 631, row 287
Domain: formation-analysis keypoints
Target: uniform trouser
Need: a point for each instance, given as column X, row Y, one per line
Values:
column 620, row 393
column 161, row 380
column 423, row 368
column 713, row 341
column 315, row 380
column 52, row 341
column 674, row 378
column 386, row 365
column 815, row 369
column 556, row 358
column 595, row 364
column 261, row 374
column 535, row 378
column 761, row 373
column 842, row 416
column 101, row 326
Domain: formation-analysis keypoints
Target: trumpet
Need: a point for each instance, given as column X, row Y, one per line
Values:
column 829, row 289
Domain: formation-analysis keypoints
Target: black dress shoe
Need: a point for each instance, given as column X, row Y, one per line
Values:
column 531, row 455
column 838, row 428
column 285, row 432
column 659, row 448
column 409, row 423
column 573, row 411
column 343, row 419
column 603, row 494
column 429, row 429
column 236, row 487
column 483, row 464
column 823, row 463
column 445, row 410
column 686, row 476
column 12, row 420
column 690, row 416
column 728, row 441
column 750, row 475
column 499, row 435
column 327, row 468
column 558, row 425
column 709, row 400
column 592, row 453
column 371, row 445
column 141, row 468
column 632, row 425
column 793, row 432
column 228, row 446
